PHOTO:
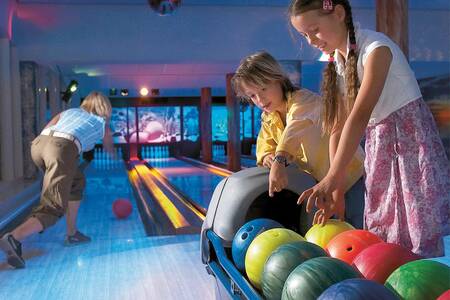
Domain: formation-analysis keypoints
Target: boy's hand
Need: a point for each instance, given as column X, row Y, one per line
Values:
column 278, row 179
column 268, row 160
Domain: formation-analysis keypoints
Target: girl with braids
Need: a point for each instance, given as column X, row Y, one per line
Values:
column 290, row 131
column 369, row 86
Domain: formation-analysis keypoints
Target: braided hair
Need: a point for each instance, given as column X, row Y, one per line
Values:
column 334, row 111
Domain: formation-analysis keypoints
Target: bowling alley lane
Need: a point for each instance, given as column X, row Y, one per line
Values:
column 193, row 181
column 121, row 262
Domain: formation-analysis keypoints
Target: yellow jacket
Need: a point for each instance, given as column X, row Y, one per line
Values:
column 302, row 138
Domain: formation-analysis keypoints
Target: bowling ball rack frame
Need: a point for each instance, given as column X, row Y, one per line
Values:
column 237, row 199
column 226, row 273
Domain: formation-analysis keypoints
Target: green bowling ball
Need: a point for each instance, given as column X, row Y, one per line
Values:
column 420, row 279
column 310, row 279
column 261, row 248
column 281, row 263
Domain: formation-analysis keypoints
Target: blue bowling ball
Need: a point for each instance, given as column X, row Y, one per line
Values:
column 245, row 235
column 357, row 289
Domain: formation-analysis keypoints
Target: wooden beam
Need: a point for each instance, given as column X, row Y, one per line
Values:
column 392, row 20
column 205, row 124
column 234, row 138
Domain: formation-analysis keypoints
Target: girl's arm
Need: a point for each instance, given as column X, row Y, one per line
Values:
column 288, row 147
column 338, row 203
column 336, row 134
column 375, row 73
column 303, row 114
column 53, row 121
column 108, row 140
column 334, row 141
column 265, row 146
column 298, row 121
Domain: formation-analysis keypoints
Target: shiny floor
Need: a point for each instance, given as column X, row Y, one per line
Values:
column 121, row 262
column 194, row 182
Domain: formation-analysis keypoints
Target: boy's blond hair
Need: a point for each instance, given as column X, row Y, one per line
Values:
column 260, row 69
column 98, row 104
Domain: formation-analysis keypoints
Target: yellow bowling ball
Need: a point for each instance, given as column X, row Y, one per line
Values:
column 321, row 235
column 260, row 249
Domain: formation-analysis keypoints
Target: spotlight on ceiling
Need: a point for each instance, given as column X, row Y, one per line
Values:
column 124, row 92
column 164, row 7
column 113, row 92
column 143, row 91
column 155, row 92
column 70, row 90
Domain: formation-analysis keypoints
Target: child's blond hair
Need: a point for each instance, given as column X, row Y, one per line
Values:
column 98, row 104
column 260, row 69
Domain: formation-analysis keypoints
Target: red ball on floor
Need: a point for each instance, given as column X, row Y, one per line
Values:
column 122, row 208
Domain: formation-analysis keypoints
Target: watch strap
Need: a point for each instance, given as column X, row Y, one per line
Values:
column 282, row 160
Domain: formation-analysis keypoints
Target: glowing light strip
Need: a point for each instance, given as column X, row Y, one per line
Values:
column 211, row 168
column 162, row 179
column 134, row 178
column 217, row 171
column 175, row 217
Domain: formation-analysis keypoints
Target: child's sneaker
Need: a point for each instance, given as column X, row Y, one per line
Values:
column 13, row 251
column 76, row 239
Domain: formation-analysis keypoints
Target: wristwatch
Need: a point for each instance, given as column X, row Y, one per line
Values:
column 281, row 160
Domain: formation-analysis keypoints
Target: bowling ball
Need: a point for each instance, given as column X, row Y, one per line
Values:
column 310, row 279
column 122, row 208
column 357, row 289
column 245, row 236
column 321, row 235
column 378, row 261
column 420, row 279
column 348, row 244
column 281, row 263
column 260, row 249
column 445, row 295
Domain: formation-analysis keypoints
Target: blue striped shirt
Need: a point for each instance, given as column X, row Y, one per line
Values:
column 86, row 127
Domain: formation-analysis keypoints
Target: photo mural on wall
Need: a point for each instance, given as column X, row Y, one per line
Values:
column 154, row 124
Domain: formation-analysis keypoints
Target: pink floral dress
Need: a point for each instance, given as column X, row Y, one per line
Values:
column 408, row 181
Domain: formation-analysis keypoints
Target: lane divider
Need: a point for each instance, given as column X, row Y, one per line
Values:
column 163, row 181
column 176, row 218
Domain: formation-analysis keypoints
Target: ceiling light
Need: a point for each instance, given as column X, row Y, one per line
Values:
column 143, row 91
column 71, row 88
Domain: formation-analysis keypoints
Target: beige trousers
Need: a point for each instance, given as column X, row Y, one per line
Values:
column 63, row 180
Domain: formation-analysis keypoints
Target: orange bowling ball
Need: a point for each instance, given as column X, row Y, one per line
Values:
column 348, row 244
column 122, row 208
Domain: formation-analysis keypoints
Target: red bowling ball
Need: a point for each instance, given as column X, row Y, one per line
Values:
column 444, row 296
column 122, row 208
column 378, row 261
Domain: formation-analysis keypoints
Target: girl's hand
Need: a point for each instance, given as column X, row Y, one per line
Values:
column 321, row 195
column 278, row 178
column 337, row 208
column 268, row 160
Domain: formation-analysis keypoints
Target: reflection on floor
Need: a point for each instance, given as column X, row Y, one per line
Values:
column 120, row 262
column 195, row 182
column 246, row 161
